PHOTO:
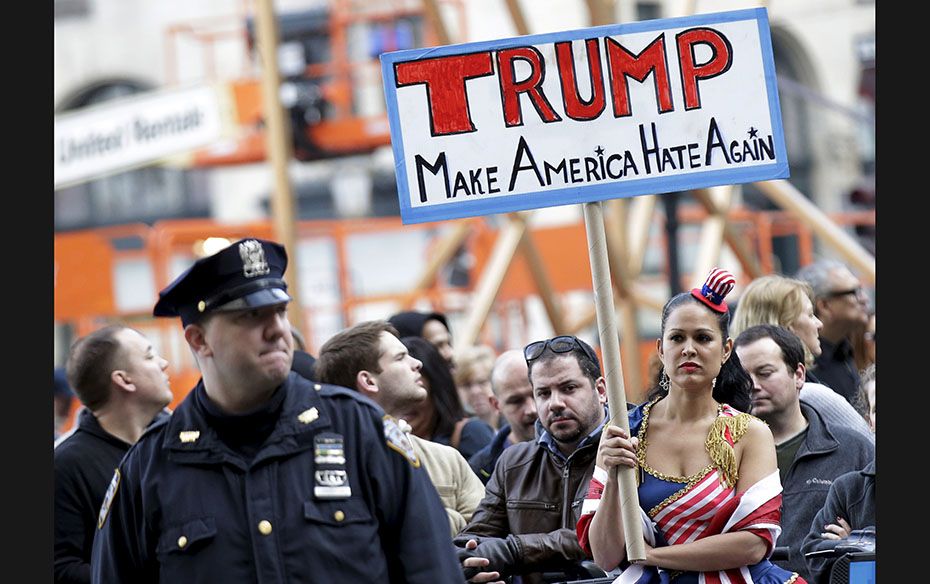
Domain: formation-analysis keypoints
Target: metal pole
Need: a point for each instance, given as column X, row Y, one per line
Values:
column 278, row 145
column 613, row 373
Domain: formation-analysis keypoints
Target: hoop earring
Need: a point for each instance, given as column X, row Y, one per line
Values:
column 664, row 382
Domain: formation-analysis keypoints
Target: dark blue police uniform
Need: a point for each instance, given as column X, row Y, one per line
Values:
column 333, row 494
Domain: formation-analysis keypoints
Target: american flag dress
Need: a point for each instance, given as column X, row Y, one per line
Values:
column 677, row 510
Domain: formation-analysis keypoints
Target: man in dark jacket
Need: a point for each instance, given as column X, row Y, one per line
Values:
column 526, row 522
column 260, row 475
column 513, row 396
column 811, row 452
column 121, row 381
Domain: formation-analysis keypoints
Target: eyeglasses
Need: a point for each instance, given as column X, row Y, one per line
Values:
column 560, row 344
column 857, row 291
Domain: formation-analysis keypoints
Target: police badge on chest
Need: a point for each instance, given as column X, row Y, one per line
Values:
column 330, row 478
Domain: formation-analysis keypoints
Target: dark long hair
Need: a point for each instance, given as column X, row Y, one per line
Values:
column 734, row 385
column 442, row 391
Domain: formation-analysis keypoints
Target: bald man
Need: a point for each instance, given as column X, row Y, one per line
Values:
column 513, row 396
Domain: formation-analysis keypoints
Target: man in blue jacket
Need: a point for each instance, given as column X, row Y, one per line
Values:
column 261, row 475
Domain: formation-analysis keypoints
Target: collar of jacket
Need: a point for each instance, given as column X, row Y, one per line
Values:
column 819, row 438
column 500, row 439
column 188, row 438
column 838, row 352
column 88, row 422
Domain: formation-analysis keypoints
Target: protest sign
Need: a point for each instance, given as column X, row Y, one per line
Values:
column 584, row 115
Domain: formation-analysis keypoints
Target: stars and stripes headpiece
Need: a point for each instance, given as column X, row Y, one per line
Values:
column 719, row 283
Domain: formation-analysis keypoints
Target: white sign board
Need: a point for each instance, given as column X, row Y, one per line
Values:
column 130, row 132
column 585, row 115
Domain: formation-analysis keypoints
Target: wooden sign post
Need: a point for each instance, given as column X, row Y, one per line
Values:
column 613, row 372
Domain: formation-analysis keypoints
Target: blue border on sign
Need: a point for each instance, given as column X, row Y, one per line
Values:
column 588, row 193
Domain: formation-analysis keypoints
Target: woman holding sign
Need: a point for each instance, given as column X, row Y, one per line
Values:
column 709, row 490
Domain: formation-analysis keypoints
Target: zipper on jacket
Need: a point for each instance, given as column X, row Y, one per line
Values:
column 567, row 497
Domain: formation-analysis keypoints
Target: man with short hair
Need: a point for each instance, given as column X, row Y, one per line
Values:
column 513, row 396
column 842, row 305
column 526, row 523
column 811, row 452
column 370, row 358
column 120, row 379
column 260, row 475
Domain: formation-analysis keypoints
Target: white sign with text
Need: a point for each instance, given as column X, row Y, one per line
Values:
column 127, row 133
column 585, row 115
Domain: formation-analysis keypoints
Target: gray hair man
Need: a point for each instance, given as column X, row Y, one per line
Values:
column 842, row 305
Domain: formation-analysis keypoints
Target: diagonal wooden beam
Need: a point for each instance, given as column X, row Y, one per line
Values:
column 786, row 196
column 737, row 243
column 543, row 284
column 431, row 7
column 712, row 230
column 445, row 249
column 601, row 11
column 516, row 15
column 615, row 223
column 492, row 277
column 641, row 211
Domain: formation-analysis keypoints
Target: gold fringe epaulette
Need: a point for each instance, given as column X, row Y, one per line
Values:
column 720, row 450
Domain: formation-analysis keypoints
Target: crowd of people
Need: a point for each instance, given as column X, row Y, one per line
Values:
column 396, row 456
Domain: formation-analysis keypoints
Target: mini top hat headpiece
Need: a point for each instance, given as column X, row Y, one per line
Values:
column 719, row 283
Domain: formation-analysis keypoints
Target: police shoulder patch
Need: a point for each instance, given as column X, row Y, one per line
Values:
column 108, row 499
column 398, row 440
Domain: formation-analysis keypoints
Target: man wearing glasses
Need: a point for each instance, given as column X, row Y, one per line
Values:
column 842, row 305
column 526, row 522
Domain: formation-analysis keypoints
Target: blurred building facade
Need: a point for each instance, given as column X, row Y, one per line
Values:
column 824, row 53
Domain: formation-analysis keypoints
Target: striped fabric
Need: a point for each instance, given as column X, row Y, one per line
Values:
column 718, row 284
column 720, row 281
column 706, row 508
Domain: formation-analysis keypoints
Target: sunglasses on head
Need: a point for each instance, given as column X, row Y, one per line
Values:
column 560, row 344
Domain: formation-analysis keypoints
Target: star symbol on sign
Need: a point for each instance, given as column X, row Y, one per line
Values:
column 752, row 132
column 599, row 150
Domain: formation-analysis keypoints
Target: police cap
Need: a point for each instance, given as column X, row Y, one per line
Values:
column 247, row 274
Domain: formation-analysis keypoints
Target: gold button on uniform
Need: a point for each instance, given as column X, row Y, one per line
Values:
column 182, row 541
column 339, row 515
column 264, row 527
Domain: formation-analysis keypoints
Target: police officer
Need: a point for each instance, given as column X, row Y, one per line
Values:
column 261, row 475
